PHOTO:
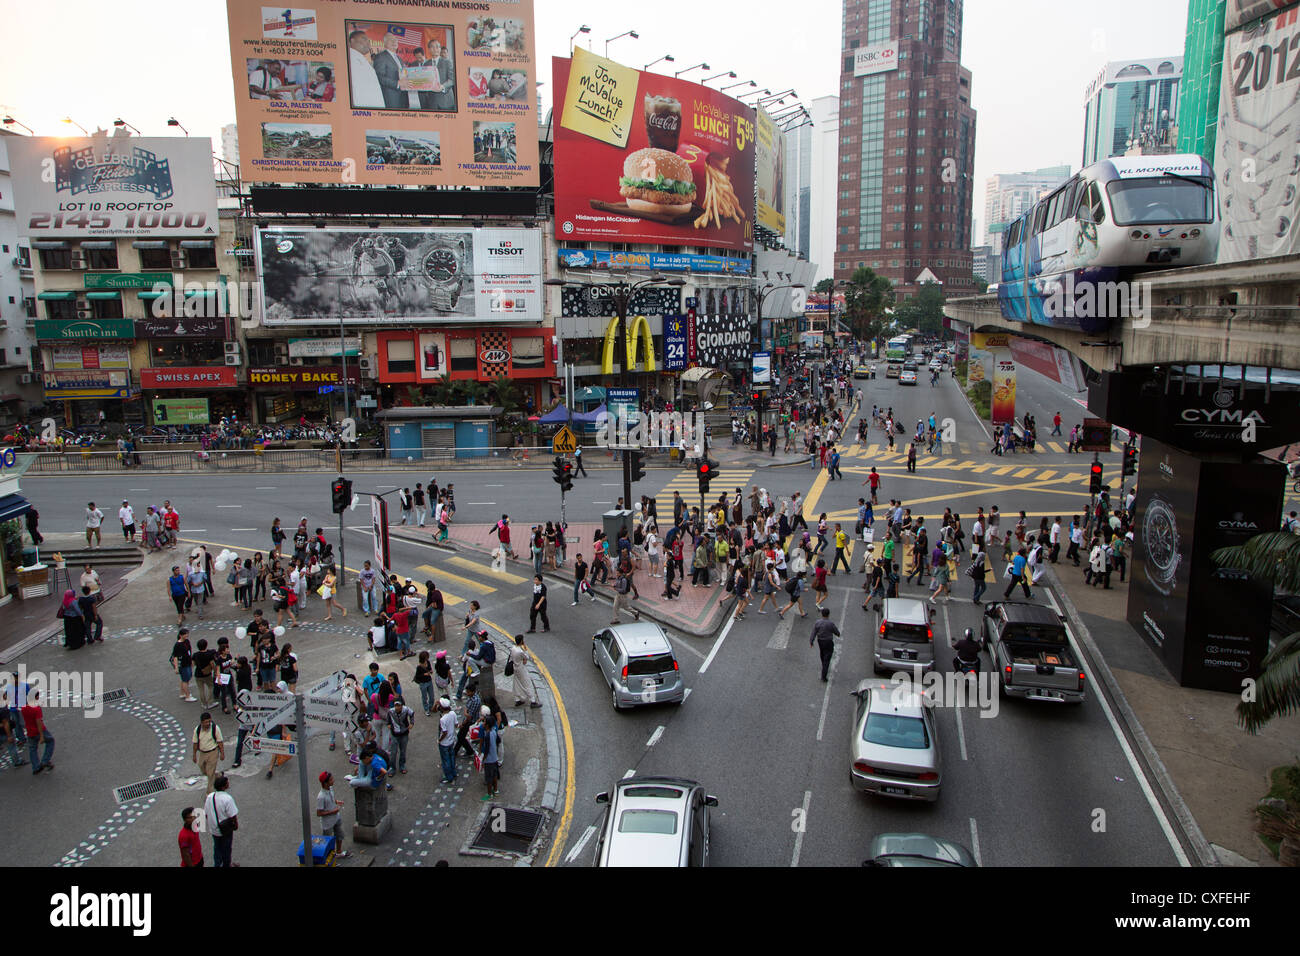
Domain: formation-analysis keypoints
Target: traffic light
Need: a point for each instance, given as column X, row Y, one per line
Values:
column 566, row 482
column 557, row 470
column 637, row 464
column 1130, row 460
column 340, row 495
column 705, row 471
column 1094, row 481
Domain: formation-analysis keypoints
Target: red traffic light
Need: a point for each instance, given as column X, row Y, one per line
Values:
column 1096, row 468
column 704, row 468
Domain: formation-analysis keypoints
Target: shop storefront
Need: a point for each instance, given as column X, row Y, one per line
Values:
column 87, row 373
column 180, row 396
column 287, row 393
column 429, row 357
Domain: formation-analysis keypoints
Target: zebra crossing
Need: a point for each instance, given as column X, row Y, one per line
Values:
column 1023, row 466
column 904, row 560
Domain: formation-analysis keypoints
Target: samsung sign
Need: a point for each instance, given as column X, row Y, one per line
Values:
column 880, row 58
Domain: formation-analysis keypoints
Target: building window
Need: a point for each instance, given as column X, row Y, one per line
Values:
column 100, row 258
column 55, row 259
column 462, row 355
column 60, row 309
column 107, row 308
column 401, row 356
column 156, row 259
column 200, row 352
column 204, row 258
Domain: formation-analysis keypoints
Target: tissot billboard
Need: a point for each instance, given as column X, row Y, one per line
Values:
column 113, row 186
column 421, row 92
column 392, row 276
column 641, row 157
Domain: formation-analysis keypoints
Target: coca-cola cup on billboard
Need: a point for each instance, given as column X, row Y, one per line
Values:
column 663, row 121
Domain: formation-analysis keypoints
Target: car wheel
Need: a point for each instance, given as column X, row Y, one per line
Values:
column 613, row 698
column 594, row 660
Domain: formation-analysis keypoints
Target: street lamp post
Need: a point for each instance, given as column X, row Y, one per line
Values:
column 629, row 33
column 620, row 294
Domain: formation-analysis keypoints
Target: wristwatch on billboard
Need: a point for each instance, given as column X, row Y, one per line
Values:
column 441, row 263
column 1160, row 534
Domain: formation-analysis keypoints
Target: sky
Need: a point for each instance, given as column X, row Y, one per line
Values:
column 1031, row 60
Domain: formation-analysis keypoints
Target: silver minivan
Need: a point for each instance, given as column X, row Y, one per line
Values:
column 904, row 640
column 639, row 665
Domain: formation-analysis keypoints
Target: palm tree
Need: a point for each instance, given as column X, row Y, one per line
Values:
column 506, row 394
column 866, row 297
column 1275, row 558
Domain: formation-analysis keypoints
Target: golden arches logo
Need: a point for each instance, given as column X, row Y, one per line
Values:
column 635, row 327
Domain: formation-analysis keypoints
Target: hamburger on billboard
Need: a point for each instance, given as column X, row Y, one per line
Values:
column 641, row 157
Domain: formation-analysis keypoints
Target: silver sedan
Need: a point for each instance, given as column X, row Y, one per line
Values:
column 894, row 748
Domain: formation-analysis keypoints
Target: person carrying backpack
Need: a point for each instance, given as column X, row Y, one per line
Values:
column 795, row 588
column 622, row 588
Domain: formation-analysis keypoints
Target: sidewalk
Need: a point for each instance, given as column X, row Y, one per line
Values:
column 1219, row 771
column 698, row 612
column 142, row 733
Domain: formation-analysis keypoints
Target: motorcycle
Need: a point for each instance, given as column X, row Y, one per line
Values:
column 960, row 664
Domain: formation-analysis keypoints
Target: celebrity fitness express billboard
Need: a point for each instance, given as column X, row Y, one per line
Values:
column 113, row 186
column 641, row 157
column 422, row 92
column 771, row 175
column 379, row 276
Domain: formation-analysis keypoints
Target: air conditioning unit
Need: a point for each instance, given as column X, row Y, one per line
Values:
column 232, row 348
column 179, row 260
column 281, row 353
column 233, row 358
column 77, row 260
column 367, row 365
column 84, row 314
column 296, row 360
column 26, row 379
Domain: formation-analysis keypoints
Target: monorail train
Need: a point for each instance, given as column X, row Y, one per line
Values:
column 1071, row 260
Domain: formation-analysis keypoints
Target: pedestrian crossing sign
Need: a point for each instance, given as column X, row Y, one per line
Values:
column 564, row 442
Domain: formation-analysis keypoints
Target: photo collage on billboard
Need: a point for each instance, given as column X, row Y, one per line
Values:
column 378, row 94
column 641, row 157
column 396, row 275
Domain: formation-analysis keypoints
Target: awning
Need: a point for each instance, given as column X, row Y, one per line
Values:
column 98, row 244
column 198, row 243
column 49, row 244
column 589, row 393
column 104, row 295
column 150, row 244
column 13, row 506
column 56, row 296
column 147, row 294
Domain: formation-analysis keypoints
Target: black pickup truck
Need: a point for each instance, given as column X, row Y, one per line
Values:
column 1032, row 653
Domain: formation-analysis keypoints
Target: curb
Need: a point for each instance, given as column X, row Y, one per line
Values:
column 1200, row 846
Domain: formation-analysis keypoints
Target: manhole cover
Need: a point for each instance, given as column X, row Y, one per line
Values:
column 507, row 830
column 145, row 788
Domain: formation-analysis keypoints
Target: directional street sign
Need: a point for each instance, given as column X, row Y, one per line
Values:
column 327, row 684
column 270, row 745
column 258, row 701
column 564, row 442
column 270, row 718
column 334, row 700
column 347, row 721
column 331, row 709
column 249, row 718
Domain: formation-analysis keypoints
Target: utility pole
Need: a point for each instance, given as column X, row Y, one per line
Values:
column 300, row 723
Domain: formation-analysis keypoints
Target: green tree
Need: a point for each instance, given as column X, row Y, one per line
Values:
column 1275, row 558
column 923, row 311
column 866, row 299
column 824, row 287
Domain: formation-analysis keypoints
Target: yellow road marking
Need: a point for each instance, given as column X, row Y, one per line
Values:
column 1045, row 476
column 472, row 585
column 1005, row 470
column 475, row 566
column 1025, row 472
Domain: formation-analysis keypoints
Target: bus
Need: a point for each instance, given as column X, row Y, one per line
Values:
column 897, row 351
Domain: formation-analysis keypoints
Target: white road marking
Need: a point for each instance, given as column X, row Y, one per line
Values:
column 230, row 506
column 607, row 484
column 687, row 694
column 1156, row 809
column 580, row 845
column 654, row 738
column 265, row 488
column 718, row 643
column 630, row 773
column 480, row 502
column 602, row 502
column 830, row 673
column 243, row 529
column 781, row 635
column 798, row 836
column 975, row 842
column 961, row 733
column 137, row 489
column 494, row 486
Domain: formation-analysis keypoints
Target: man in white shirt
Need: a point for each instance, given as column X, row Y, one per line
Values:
column 219, row 808
column 366, row 92
column 1055, row 539
column 447, row 740
column 94, row 518
column 126, row 515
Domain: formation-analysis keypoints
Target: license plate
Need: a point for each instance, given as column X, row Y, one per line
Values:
column 651, row 682
column 907, row 655
column 895, row 791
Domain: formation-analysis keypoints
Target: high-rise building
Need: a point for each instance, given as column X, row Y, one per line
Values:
column 1131, row 108
column 820, row 218
column 907, row 144
column 1008, row 195
column 17, row 304
column 981, row 263
column 798, row 189
column 1198, row 97
column 230, row 143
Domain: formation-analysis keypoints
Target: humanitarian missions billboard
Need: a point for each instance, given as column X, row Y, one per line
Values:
column 641, row 157
column 770, row 184
column 398, row 276
column 426, row 92
column 113, row 186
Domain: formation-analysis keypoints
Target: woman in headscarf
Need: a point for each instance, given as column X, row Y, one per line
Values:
column 74, row 625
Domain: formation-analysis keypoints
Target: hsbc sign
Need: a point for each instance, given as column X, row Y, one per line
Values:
column 880, row 58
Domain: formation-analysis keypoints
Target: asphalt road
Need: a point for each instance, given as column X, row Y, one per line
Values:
column 759, row 729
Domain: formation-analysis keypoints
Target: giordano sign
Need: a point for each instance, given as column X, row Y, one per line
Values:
column 635, row 327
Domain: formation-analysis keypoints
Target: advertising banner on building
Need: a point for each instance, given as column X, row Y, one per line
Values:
column 180, row 327
column 991, row 360
column 877, row 58
column 71, row 357
column 113, row 186
column 674, row 343
column 127, row 280
column 399, row 275
column 1050, row 361
column 1259, row 108
column 1241, row 12
column 641, row 157
column 432, row 357
column 222, row 376
column 305, row 378
column 403, row 93
column 323, row 348
column 722, row 340
column 64, row 329
column 769, row 186
column 87, row 384
column 1004, row 388
column 653, row 261
column 180, row 411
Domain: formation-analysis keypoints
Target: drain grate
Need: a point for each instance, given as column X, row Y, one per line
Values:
column 89, row 700
column 109, row 696
column 507, row 830
column 145, row 788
